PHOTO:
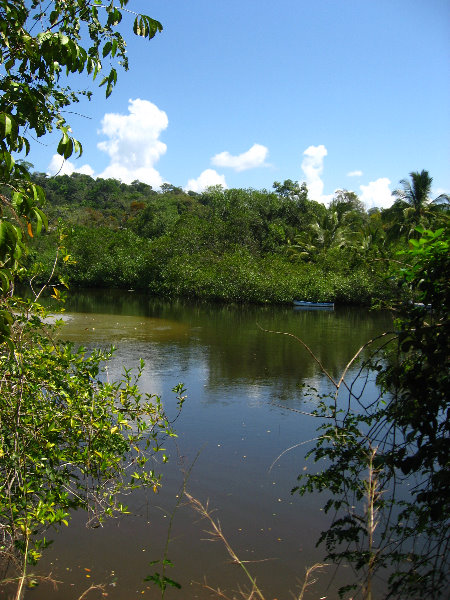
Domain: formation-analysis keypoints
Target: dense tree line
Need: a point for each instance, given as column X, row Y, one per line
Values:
column 229, row 244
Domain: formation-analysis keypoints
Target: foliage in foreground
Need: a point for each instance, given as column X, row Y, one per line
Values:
column 215, row 533
column 43, row 47
column 394, row 449
column 69, row 439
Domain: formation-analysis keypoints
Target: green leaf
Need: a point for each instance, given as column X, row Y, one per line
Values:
column 65, row 146
column 7, row 125
column 106, row 49
column 54, row 16
column 41, row 220
column 5, row 280
column 136, row 26
column 9, row 161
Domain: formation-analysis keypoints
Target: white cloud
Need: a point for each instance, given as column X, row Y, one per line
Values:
column 59, row 166
column 354, row 174
column 133, row 143
column 312, row 167
column 133, row 146
column 206, row 179
column 85, row 170
column 144, row 174
column 377, row 193
column 251, row 159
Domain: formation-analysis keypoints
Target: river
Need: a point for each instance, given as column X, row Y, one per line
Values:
column 241, row 432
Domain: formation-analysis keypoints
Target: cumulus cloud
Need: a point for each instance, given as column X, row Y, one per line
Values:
column 377, row 193
column 59, row 166
column 312, row 167
column 206, row 179
column 255, row 157
column 133, row 143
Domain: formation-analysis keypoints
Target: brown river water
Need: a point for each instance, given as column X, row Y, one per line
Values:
column 240, row 426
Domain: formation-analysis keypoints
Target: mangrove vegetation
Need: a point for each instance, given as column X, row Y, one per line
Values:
column 233, row 245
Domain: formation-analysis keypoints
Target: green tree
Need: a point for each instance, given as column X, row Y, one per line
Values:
column 369, row 239
column 42, row 47
column 387, row 458
column 325, row 232
column 291, row 189
column 415, row 193
column 349, row 208
column 414, row 201
column 68, row 439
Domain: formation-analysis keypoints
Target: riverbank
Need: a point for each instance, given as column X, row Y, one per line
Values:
column 122, row 260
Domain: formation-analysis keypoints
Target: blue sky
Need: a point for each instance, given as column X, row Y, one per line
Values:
column 342, row 94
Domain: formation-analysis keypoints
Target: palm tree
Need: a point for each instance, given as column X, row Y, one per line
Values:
column 417, row 192
column 325, row 232
column 370, row 239
column 414, row 200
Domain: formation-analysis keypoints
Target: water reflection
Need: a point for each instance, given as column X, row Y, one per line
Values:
column 235, row 340
column 106, row 328
column 241, row 383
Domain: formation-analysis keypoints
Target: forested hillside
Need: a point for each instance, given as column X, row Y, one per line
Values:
column 226, row 244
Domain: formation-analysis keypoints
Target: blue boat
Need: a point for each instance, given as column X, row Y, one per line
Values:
column 305, row 304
